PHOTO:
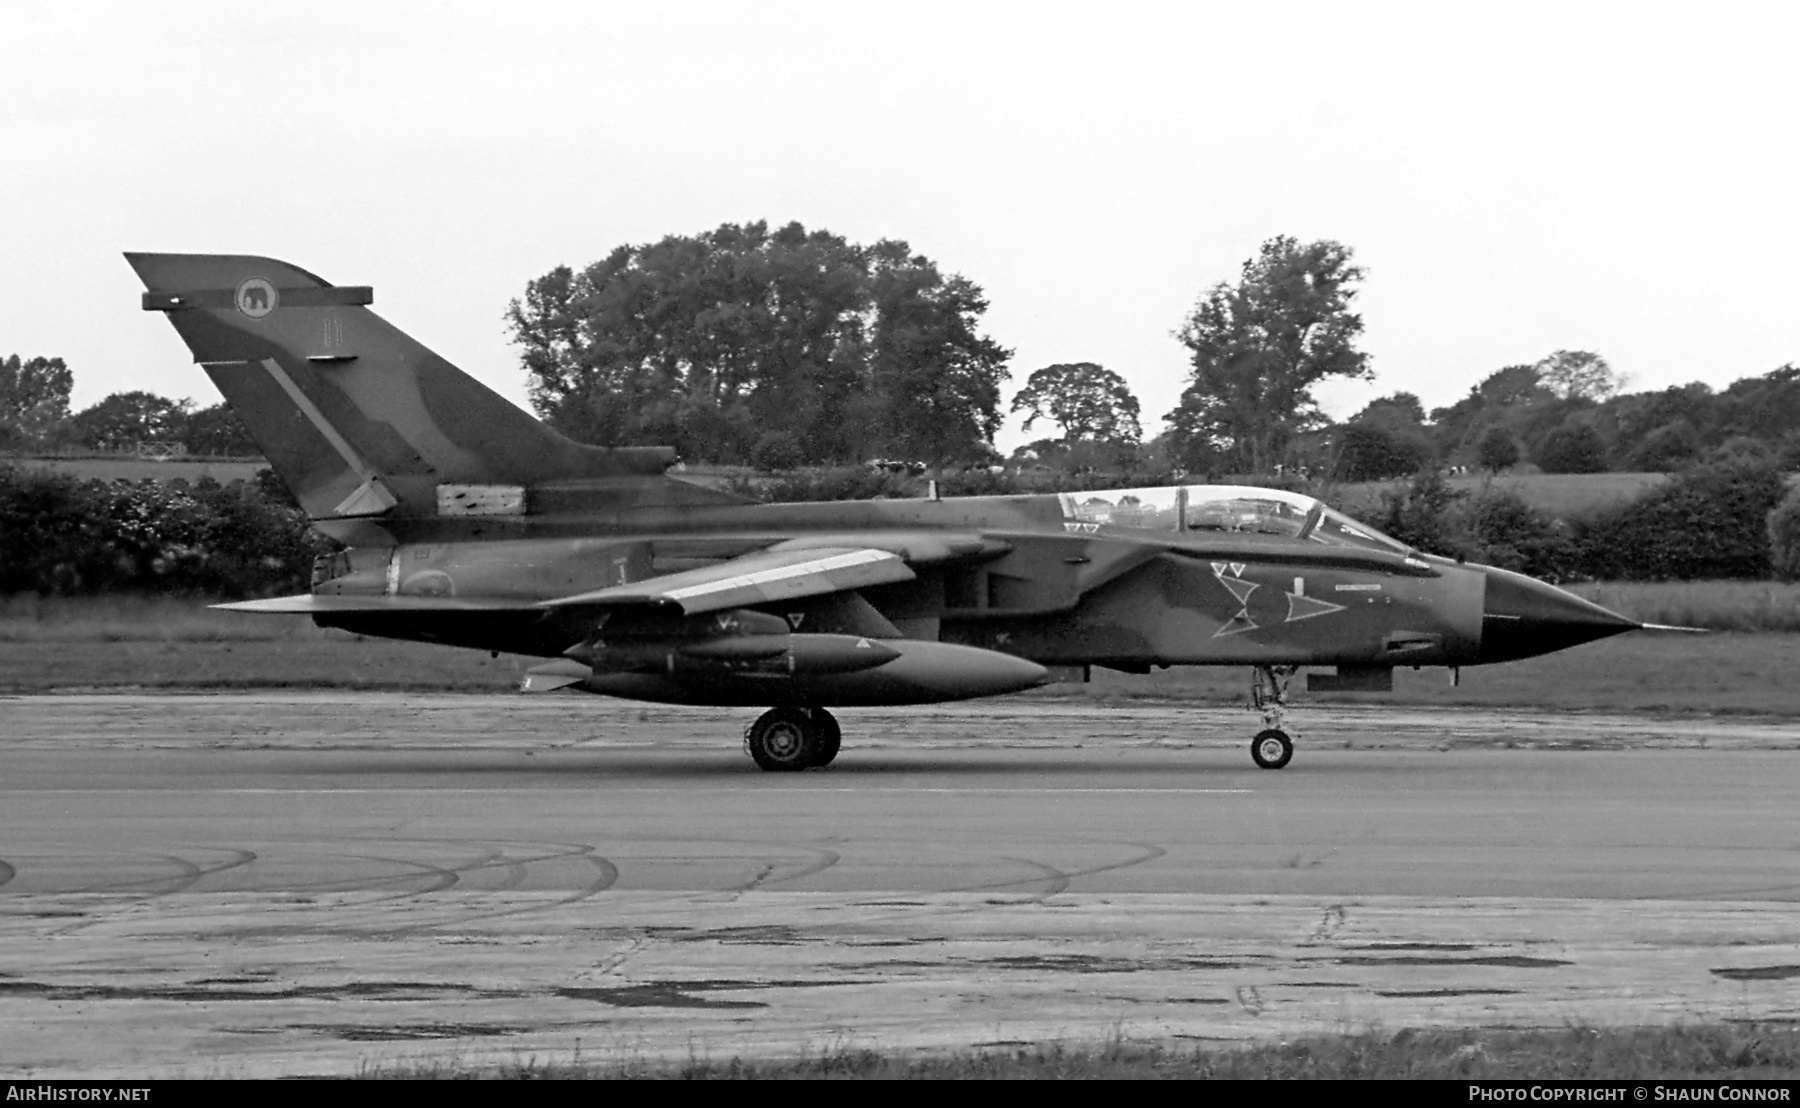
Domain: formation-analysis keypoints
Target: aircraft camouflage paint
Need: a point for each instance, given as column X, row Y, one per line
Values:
column 472, row 524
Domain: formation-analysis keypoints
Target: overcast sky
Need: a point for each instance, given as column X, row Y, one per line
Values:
column 1515, row 178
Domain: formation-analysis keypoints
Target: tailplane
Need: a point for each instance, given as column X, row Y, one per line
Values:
column 360, row 420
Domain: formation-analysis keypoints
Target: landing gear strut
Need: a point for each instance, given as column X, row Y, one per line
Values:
column 1272, row 748
column 786, row 740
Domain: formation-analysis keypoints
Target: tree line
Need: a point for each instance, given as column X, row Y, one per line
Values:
column 35, row 417
column 787, row 347
column 773, row 348
column 1732, row 519
column 1567, row 414
column 69, row 537
column 63, row 536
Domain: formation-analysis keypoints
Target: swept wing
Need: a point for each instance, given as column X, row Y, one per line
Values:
column 762, row 577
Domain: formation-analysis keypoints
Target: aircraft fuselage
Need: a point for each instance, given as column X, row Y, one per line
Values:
column 1027, row 581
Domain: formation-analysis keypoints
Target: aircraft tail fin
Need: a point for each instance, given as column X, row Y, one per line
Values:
column 362, row 421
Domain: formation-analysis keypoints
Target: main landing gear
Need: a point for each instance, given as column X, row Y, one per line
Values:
column 787, row 740
column 1271, row 749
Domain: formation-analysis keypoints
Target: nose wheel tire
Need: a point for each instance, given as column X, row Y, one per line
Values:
column 1272, row 749
column 783, row 740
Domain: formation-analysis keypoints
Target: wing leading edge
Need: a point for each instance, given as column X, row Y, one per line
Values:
column 765, row 577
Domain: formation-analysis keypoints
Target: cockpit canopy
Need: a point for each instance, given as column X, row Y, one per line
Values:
column 1227, row 509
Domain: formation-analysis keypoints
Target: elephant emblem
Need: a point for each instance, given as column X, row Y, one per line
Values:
column 257, row 297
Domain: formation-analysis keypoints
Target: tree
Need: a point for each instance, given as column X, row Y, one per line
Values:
column 1572, row 448
column 1510, row 398
column 1742, row 450
column 1386, row 439
column 1089, row 402
column 1787, row 451
column 1401, row 412
column 1784, row 536
column 1578, row 374
column 745, row 344
column 218, row 432
column 1371, row 452
column 1711, row 521
column 34, row 397
column 1421, row 515
column 1766, row 407
column 1515, row 384
column 1509, row 533
column 125, row 419
column 1662, row 430
column 933, row 383
column 1497, row 450
column 1259, row 347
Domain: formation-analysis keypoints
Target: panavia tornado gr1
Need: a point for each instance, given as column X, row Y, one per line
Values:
column 469, row 523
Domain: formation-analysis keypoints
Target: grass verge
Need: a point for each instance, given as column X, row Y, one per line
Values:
column 1751, row 1051
column 179, row 644
column 1714, row 605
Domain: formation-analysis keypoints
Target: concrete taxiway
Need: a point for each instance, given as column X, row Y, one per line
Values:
column 319, row 883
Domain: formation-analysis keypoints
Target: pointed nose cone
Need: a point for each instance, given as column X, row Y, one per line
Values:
column 1523, row 617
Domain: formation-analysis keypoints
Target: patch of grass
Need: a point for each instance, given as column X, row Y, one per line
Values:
column 309, row 659
column 162, row 643
column 1715, row 605
column 1712, row 1052
column 1718, row 674
column 28, row 618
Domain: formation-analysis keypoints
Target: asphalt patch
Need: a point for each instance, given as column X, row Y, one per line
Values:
column 1424, row 993
column 214, row 990
column 666, row 994
column 1503, row 961
column 1757, row 973
column 409, row 1032
column 1093, row 963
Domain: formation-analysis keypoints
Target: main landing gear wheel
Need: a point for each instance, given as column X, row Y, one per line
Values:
column 1272, row 749
column 790, row 739
column 783, row 740
column 830, row 737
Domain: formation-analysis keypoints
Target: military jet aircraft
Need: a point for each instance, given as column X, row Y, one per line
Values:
column 469, row 523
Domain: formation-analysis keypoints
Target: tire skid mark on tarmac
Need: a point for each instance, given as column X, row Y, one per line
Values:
column 442, row 878
column 1056, row 880
column 1059, row 879
column 189, row 875
column 608, row 877
column 516, row 872
column 353, row 916
column 1149, row 854
column 822, row 860
column 515, row 868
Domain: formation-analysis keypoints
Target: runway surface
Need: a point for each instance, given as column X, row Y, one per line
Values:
column 320, row 883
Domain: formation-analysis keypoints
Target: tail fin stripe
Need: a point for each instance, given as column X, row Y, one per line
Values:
column 352, row 295
column 317, row 418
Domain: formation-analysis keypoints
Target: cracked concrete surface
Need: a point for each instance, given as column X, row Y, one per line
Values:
column 313, row 883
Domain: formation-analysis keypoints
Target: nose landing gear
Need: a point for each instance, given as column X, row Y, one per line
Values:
column 1272, row 748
